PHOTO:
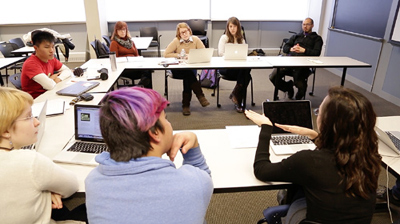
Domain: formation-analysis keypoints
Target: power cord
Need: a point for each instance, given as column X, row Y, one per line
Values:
column 387, row 193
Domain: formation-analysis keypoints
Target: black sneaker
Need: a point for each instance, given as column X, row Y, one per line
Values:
column 291, row 90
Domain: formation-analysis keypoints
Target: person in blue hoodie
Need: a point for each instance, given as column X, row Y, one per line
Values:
column 132, row 183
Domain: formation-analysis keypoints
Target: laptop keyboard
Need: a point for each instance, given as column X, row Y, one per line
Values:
column 290, row 140
column 394, row 139
column 88, row 147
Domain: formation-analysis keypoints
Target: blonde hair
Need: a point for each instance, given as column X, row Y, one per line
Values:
column 12, row 104
column 182, row 25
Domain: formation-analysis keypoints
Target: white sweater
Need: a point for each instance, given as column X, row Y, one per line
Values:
column 26, row 180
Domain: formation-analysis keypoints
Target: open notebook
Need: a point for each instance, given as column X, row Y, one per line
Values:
column 290, row 113
column 88, row 141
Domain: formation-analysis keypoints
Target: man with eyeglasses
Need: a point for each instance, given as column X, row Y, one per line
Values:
column 305, row 43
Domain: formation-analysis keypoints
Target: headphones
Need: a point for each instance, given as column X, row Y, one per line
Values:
column 78, row 72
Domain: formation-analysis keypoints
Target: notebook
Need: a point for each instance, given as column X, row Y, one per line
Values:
column 236, row 51
column 40, row 113
column 390, row 138
column 88, row 141
column 202, row 55
column 290, row 113
column 78, row 88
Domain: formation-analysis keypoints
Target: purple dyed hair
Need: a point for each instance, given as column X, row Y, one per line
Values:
column 145, row 104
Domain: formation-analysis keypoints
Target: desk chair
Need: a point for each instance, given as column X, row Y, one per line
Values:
column 198, row 27
column 6, row 49
column 18, row 41
column 152, row 32
column 15, row 79
column 273, row 215
column 107, row 40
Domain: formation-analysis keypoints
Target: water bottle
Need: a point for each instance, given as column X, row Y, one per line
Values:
column 113, row 61
column 183, row 54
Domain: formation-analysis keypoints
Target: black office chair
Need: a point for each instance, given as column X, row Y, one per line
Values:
column 15, row 79
column 107, row 40
column 152, row 32
column 198, row 27
column 273, row 215
column 6, row 49
column 18, row 41
column 100, row 48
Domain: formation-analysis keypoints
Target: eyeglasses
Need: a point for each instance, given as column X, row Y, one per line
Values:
column 184, row 32
column 122, row 30
column 307, row 24
column 28, row 118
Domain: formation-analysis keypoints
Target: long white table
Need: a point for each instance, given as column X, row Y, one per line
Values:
column 389, row 157
column 5, row 62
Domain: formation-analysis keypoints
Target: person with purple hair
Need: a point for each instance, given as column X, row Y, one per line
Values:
column 132, row 183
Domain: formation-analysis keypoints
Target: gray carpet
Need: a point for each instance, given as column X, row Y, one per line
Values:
column 247, row 207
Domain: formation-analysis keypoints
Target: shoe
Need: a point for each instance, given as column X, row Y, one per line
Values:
column 291, row 90
column 203, row 101
column 233, row 98
column 299, row 96
column 186, row 111
column 238, row 108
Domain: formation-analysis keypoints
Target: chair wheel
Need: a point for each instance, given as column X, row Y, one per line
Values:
column 218, row 105
column 212, row 94
column 311, row 93
column 253, row 104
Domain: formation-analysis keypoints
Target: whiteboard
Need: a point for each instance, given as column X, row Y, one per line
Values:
column 42, row 11
column 156, row 10
column 260, row 10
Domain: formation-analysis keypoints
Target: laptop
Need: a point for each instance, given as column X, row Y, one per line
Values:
column 202, row 55
column 236, row 51
column 38, row 111
column 88, row 141
column 390, row 138
column 78, row 88
column 291, row 113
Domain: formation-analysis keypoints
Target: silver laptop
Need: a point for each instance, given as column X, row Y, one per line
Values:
column 38, row 111
column 78, row 88
column 236, row 51
column 202, row 55
column 290, row 113
column 390, row 138
column 88, row 141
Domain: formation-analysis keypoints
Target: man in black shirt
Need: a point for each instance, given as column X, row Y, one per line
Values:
column 305, row 43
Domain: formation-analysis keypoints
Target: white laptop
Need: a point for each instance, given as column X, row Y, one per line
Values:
column 236, row 51
column 38, row 111
column 202, row 55
column 390, row 138
column 291, row 113
column 88, row 141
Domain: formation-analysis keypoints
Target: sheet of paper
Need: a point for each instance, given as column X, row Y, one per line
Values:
column 54, row 107
column 244, row 136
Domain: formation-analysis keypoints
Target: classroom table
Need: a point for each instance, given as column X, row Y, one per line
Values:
column 5, row 62
column 24, row 50
column 279, row 62
column 142, row 43
column 390, row 159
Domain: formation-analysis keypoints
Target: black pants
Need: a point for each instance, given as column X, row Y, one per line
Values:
column 77, row 214
column 299, row 75
column 188, row 76
column 242, row 76
column 143, row 75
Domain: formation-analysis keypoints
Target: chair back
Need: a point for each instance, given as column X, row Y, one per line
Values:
column 6, row 49
column 15, row 79
column 149, row 32
column 100, row 49
column 107, row 40
column 18, row 41
column 198, row 26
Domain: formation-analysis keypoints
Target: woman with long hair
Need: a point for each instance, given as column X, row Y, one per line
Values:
column 123, row 46
column 340, row 177
column 234, row 35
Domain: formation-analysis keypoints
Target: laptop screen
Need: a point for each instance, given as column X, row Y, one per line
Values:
column 87, row 123
column 289, row 112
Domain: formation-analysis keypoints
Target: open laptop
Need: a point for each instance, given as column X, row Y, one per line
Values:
column 39, row 111
column 290, row 113
column 202, row 55
column 88, row 141
column 78, row 88
column 236, row 51
column 390, row 138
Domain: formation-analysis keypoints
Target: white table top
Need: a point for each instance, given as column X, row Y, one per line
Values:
column 4, row 62
column 24, row 50
column 142, row 43
column 390, row 158
column 305, row 61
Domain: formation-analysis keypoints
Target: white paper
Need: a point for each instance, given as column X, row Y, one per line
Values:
column 245, row 136
column 54, row 107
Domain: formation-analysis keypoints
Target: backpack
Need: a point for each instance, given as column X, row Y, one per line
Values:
column 208, row 78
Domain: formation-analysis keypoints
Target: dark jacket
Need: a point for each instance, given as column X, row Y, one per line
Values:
column 311, row 42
